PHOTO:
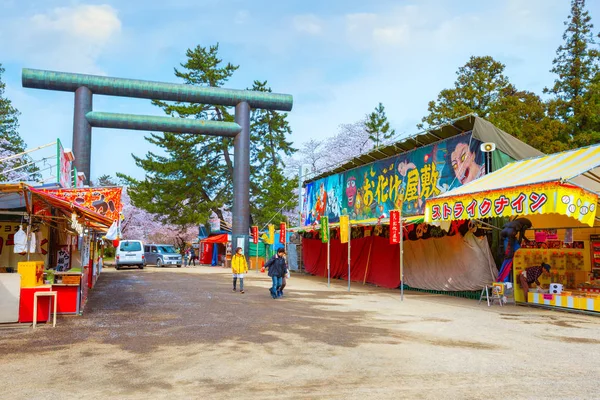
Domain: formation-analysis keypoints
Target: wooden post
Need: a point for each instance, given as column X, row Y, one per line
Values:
column 401, row 258
column 349, row 245
column 368, row 260
column 328, row 259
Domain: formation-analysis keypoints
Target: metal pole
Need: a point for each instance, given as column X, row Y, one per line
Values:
column 401, row 258
column 328, row 269
column 300, row 200
column 82, row 131
column 349, row 245
column 28, row 233
column 241, row 176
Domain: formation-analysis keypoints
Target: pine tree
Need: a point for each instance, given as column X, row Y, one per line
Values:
column 195, row 177
column 271, row 190
column 105, row 181
column 9, row 121
column 480, row 84
column 11, row 142
column 577, row 67
column 378, row 126
column 481, row 88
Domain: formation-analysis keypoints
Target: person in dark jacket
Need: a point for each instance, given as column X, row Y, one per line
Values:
column 277, row 266
column 192, row 256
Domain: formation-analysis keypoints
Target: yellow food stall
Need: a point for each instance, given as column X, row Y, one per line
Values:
column 558, row 193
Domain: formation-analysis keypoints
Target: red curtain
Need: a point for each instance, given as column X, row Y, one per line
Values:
column 207, row 253
column 384, row 267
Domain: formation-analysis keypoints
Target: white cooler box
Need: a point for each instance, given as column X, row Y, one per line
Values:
column 555, row 288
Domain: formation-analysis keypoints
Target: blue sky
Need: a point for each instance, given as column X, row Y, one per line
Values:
column 337, row 58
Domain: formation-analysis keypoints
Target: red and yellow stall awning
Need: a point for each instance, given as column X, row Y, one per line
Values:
column 546, row 198
column 563, row 185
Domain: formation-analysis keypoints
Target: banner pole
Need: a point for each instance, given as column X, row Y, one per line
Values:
column 401, row 258
column 257, row 258
column 328, row 269
column 349, row 245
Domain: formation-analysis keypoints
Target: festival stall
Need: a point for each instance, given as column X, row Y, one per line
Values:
column 215, row 249
column 63, row 248
column 558, row 194
column 402, row 176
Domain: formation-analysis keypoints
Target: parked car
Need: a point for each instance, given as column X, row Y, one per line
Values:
column 162, row 254
column 130, row 253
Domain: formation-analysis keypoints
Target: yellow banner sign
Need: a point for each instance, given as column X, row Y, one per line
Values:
column 344, row 225
column 271, row 234
column 546, row 198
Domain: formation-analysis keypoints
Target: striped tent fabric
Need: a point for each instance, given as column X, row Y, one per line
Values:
column 565, row 166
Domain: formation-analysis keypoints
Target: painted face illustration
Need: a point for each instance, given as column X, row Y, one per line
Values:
column 463, row 163
column 351, row 190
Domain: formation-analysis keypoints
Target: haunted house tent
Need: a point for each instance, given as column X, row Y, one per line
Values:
column 449, row 263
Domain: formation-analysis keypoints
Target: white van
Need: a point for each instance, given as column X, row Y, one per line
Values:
column 130, row 253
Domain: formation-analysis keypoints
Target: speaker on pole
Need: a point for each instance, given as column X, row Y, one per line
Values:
column 487, row 149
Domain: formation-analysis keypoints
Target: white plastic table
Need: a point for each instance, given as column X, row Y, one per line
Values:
column 35, row 302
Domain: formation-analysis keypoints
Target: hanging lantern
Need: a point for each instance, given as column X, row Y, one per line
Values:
column 116, row 242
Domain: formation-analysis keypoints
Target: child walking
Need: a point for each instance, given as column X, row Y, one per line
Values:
column 239, row 267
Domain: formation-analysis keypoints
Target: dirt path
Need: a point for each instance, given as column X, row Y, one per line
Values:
column 160, row 333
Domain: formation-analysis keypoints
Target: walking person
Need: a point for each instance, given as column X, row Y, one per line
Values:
column 186, row 256
column 239, row 267
column 193, row 256
column 277, row 269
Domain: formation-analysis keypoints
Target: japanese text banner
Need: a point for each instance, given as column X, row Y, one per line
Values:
column 546, row 198
column 344, row 228
column 103, row 201
column 404, row 181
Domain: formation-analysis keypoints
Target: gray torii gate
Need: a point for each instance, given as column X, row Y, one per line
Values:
column 84, row 118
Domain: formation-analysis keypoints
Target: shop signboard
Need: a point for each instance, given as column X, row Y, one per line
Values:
column 394, row 227
column 282, row 233
column 545, row 198
column 344, row 227
column 103, row 201
column 215, row 224
column 404, row 181
column 80, row 179
column 64, row 166
column 255, row 234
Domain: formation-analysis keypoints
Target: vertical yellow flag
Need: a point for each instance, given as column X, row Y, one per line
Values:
column 344, row 222
column 271, row 234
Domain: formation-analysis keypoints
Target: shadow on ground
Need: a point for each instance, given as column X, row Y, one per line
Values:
column 140, row 311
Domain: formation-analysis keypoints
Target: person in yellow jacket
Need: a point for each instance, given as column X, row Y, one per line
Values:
column 239, row 267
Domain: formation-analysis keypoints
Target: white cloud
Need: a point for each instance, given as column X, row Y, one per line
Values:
column 308, row 23
column 64, row 38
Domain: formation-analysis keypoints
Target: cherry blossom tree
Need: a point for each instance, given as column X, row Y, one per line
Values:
column 11, row 176
column 142, row 225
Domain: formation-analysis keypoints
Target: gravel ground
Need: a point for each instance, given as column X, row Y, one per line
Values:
column 160, row 333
